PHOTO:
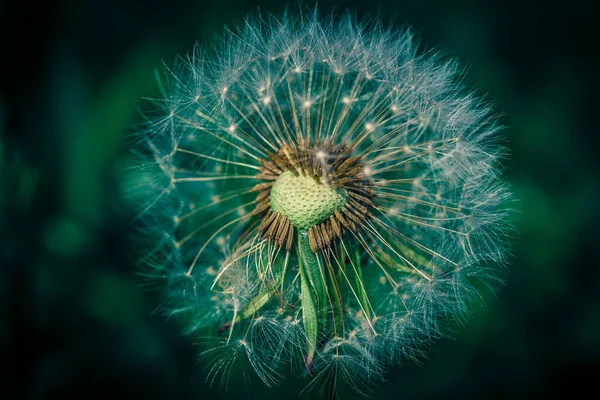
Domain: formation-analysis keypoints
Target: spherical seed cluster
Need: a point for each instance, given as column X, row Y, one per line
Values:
column 304, row 201
column 402, row 233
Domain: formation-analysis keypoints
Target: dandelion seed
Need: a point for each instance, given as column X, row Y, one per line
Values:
column 344, row 227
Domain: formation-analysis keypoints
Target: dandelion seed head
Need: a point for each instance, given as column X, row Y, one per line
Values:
column 320, row 194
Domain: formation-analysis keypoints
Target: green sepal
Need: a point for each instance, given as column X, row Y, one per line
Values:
column 255, row 304
column 360, row 285
column 336, row 300
column 259, row 301
column 314, row 296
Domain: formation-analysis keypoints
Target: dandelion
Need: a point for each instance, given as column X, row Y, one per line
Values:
column 320, row 196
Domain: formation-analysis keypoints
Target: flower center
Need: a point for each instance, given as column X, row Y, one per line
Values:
column 328, row 193
column 304, row 200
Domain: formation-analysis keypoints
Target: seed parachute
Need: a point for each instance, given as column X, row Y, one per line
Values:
column 318, row 195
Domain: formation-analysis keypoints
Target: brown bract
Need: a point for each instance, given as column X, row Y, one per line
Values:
column 328, row 164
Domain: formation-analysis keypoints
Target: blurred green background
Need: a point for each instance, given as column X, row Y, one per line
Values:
column 74, row 323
